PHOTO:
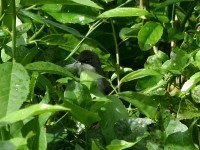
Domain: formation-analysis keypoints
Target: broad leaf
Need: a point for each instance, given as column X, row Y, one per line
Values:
column 110, row 113
column 146, row 104
column 14, row 87
column 71, row 14
column 83, row 115
column 149, row 35
column 180, row 140
column 37, row 125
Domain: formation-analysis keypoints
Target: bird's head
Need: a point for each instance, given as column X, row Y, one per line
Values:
column 91, row 58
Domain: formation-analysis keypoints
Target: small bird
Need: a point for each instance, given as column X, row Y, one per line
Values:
column 91, row 61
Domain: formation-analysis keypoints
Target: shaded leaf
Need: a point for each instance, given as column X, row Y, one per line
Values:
column 83, row 115
column 180, row 140
column 110, row 113
column 146, row 104
column 47, row 67
column 69, row 2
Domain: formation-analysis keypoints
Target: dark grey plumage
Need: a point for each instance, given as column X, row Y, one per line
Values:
column 91, row 58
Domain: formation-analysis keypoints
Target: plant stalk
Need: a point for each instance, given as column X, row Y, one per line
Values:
column 191, row 8
column 13, row 30
column 117, row 55
column 92, row 28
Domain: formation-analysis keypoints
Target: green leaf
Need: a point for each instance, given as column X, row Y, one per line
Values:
column 29, row 112
column 128, row 33
column 83, row 115
column 31, row 15
column 149, row 35
column 180, row 140
column 155, row 61
column 69, row 2
column 36, row 125
column 178, row 61
column 175, row 126
column 197, row 59
column 71, row 14
column 169, row 2
column 78, row 94
column 29, row 56
column 47, row 67
column 146, row 104
column 12, row 144
column 188, row 110
column 189, row 84
column 110, row 113
column 123, row 12
column 14, row 87
column 119, row 145
column 64, row 27
column 139, row 74
column 195, row 93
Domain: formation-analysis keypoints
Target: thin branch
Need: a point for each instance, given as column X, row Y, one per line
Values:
column 117, row 55
column 189, row 13
column 13, row 30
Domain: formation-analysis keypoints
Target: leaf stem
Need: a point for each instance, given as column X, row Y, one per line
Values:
column 191, row 8
column 92, row 28
column 37, row 33
column 117, row 55
column 13, row 30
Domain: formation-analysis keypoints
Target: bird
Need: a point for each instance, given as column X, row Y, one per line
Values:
column 89, row 60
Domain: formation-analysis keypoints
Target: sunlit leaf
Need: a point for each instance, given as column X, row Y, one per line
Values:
column 149, row 35
column 29, row 112
column 123, row 12
column 139, row 74
column 71, row 14
column 175, row 126
column 14, row 87
column 119, row 145
column 189, row 84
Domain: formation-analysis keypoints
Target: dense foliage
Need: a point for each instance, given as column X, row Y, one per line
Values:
column 150, row 53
